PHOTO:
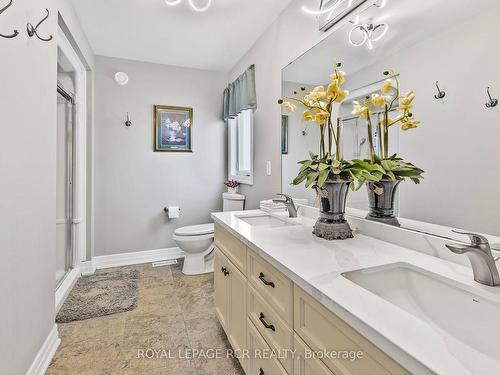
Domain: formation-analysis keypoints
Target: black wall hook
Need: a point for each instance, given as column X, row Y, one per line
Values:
column 441, row 94
column 15, row 33
column 33, row 30
column 128, row 123
column 493, row 102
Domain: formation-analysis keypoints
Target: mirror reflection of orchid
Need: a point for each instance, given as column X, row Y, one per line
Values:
column 318, row 106
column 381, row 166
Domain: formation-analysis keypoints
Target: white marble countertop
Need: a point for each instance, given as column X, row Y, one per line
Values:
column 317, row 265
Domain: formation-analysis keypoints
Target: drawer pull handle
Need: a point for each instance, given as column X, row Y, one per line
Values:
column 266, row 324
column 268, row 283
column 226, row 272
column 223, row 269
column 261, row 372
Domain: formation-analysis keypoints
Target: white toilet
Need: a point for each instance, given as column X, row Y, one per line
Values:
column 197, row 241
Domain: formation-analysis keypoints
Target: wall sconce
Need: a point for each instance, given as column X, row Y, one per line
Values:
column 121, row 78
column 369, row 33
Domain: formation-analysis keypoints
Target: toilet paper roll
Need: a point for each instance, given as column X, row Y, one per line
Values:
column 173, row 212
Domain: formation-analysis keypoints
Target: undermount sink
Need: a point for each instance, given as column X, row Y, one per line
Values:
column 263, row 221
column 443, row 303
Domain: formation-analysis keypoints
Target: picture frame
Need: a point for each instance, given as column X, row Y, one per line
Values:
column 173, row 127
column 284, row 134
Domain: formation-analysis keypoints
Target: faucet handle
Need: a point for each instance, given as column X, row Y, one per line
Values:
column 287, row 197
column 476, row 239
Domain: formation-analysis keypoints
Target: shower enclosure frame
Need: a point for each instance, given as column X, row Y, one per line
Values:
column 79, row 209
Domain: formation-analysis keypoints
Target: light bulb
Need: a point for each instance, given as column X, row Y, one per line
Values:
column 172, row 2
column 200, row 9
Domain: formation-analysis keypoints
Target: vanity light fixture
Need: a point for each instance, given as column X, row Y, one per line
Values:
column 369, row 33
column 192, row 4
column 331, row 12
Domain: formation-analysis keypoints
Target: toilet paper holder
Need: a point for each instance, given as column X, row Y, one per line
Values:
column 166, row 209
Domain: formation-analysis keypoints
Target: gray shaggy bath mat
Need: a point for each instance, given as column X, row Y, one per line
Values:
column 105, row 293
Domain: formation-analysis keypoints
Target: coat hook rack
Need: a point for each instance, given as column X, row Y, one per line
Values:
column 15, row 33
column 493, row 102
column 33, row 30
column 441, row 94
column 128, row 123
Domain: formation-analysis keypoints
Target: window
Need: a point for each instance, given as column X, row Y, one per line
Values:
column 240, row 150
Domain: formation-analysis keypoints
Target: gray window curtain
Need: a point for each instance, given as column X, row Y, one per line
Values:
column 240, row 94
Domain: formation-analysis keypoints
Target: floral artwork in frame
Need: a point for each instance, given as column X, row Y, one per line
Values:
column 173, row 128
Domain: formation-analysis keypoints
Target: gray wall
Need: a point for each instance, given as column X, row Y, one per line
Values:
column 28, row 75
column 293, row 33
column 133, row 183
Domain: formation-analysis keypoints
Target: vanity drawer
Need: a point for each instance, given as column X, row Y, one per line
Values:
column 303, row 365
column 232, row 247
column 273, row 329
column 275, row 287
column 260, row 361
column 322, row 330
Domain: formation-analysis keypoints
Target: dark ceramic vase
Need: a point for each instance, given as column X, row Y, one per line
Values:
column 332, row 224
column 381, row 196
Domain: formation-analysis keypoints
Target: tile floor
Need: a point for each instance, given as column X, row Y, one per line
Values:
column 174, row 313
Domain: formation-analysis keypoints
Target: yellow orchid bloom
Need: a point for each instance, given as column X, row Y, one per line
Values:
column 378, row 100
column 333, row 88
column 319, row 89
column 406, row 102
column 386, row 87
column 307, row 116
column 409, row 124
column 359, row 109
column 341, row 95
column 289, row 106
column 338, row 75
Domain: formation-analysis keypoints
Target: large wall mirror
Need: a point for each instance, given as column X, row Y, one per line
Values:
column 457, row 143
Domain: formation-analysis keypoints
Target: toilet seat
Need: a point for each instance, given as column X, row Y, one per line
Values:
column 195, row 230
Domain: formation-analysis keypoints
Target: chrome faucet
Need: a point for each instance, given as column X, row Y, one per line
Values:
column 288, row 202
column 481, row 258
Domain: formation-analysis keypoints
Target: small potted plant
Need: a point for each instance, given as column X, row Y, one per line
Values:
column 327, row 172
column 383, row 173
column 232, row 186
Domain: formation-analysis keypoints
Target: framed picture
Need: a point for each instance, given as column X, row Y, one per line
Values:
column 173, row 128
column 284, row 134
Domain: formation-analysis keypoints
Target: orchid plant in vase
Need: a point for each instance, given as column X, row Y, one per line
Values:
column 327, row 171
column 382, row 173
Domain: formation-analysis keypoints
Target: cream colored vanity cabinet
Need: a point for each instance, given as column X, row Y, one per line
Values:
column 321, row 330
column 230, row 301
column 305, row 363
column 262, row 311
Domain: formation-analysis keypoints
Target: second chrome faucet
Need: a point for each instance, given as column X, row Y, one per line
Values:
column 289, row 204
column 482, row 260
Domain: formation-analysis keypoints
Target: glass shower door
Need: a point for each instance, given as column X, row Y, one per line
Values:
column 64, row 184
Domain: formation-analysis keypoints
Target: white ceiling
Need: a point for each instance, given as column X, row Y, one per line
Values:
column 410, row 21
column 149, row 30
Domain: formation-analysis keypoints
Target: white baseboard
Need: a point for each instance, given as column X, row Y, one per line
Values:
column 68, row 283
column 87, row 267
column 46, row 353
column 139, row 257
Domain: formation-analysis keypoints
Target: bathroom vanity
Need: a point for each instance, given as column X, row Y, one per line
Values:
column 280, row 289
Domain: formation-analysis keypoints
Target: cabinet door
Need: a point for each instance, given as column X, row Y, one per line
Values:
column 261, row 361
column 237, row 308
column 304, row 361
column 221, row 286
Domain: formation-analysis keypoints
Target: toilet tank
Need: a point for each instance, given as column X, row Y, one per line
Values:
column 233, row 202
